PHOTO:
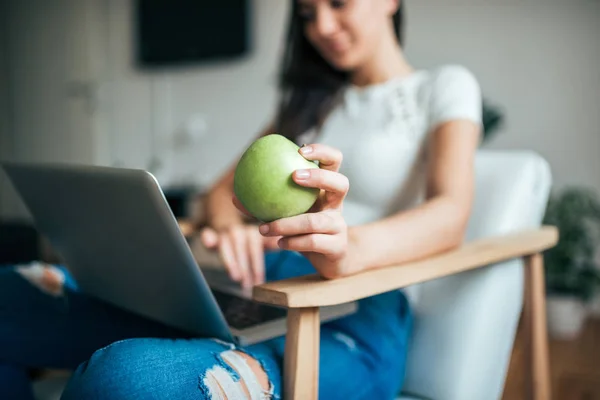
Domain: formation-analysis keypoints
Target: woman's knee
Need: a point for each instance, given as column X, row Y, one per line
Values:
column 112, row 372
column 151, row 368
column 237, row 375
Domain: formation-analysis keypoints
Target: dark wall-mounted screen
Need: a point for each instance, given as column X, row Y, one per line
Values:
column 191, row 31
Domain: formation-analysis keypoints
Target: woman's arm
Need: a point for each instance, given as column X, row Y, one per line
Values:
column 219, row 210
column 439, row 223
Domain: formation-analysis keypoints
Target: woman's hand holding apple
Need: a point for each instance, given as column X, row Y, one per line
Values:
column 321, row 234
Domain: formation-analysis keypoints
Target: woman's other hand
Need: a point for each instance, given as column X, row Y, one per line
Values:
column 241, row 249
column 321, row 234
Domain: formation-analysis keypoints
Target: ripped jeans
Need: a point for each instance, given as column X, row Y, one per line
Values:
column 45, row 322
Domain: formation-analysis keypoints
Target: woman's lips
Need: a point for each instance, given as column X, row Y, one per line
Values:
column 337, row 47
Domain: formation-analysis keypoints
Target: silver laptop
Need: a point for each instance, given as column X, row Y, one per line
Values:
column 116, row 234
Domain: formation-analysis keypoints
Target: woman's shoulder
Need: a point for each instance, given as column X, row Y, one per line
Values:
column 446, row 76
column 441, row 84
column 453, row 91
column 452, row 70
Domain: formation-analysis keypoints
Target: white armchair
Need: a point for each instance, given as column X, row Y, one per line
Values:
column 466, row 324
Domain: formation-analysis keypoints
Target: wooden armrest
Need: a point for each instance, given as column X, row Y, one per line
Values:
column 314, row 291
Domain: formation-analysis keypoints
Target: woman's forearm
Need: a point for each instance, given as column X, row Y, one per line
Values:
column 435, row 226
column 440, row 222
column 219, row 208
column 220, row 211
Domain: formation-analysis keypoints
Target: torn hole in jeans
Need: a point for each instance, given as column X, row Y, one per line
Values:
column 48, row 278
column 233, row 378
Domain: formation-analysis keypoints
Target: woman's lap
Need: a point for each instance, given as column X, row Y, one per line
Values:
column 361, row 356
column 366, row 351
column 196, row 368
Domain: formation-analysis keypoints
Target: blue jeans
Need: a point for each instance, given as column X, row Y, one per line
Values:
column 119, row 355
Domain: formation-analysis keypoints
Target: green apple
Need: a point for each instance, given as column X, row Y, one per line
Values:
column 263, row 179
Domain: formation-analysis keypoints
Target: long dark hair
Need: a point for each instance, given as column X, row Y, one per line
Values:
column 308, row 83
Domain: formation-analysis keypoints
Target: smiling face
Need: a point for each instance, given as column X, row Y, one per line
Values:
column 346, row 32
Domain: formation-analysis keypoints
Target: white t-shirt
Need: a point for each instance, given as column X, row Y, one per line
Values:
column 382, row 130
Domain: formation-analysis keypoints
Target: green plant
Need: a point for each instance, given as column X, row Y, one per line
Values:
column 570, row 265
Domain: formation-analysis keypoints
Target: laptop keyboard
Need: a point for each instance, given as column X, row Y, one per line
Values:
column 242, row 313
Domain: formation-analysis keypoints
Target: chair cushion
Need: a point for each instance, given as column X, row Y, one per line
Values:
column 465, row 324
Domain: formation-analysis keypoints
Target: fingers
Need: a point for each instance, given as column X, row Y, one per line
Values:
column 326, row 177
column 328, row 245
column 324, row 232
column 322, row 222
column 227, row 255
column 241, row 250
column 322, row 179
column 209, row 238
column 240, row 246
column 257, row 261
column 328, row 157
column 333, row 183
column 270, row 242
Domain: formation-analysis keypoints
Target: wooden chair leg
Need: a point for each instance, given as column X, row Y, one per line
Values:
column 301, row 364
column 536, row 328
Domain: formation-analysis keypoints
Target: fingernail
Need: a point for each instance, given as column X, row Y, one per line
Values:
column 302, row 174
column 306, row 149
column 263, row 229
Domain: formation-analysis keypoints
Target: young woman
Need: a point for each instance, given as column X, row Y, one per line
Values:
column 396, row 147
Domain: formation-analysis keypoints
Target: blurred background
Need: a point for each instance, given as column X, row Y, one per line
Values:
column 110, row 82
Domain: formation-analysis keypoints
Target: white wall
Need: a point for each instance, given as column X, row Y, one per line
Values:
column 537, row 58
column 46, row 46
